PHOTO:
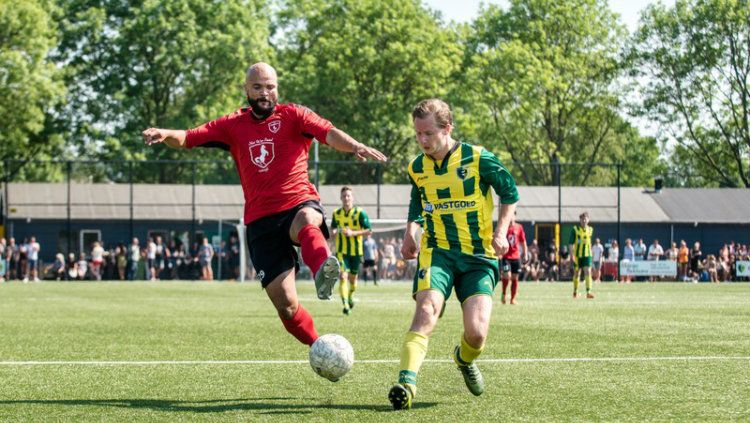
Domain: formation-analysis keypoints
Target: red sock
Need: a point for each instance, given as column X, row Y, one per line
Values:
column 301, row 326
column 505, row 284
column 313, row 246
column 513, row 289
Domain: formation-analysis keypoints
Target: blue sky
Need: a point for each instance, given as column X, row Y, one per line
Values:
column 466, row 10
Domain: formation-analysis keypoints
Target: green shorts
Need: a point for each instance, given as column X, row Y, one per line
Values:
column 349, row 264
column 582, row 262
column 444, row 270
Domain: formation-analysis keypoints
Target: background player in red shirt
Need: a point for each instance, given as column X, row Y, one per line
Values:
column 270, row 144
column 511, row 263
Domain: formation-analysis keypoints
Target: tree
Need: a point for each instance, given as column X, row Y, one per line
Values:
column 541, row 85
column 365, row 64
column 174, row 63
column 694, row 60
column 30, row 86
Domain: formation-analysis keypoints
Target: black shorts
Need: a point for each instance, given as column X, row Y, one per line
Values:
column 271, row 250
column 369, row 263
column 511, row 265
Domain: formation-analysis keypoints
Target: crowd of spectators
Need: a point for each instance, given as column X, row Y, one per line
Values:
column 156, row 260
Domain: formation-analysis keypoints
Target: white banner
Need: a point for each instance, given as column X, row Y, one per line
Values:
column 743, row 268
column 649, row 268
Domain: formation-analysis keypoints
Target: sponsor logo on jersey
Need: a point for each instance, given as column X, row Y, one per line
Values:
column 454, row 205
column 262, row 152
column 428, row 207
column 422, row 273
column 274, row 126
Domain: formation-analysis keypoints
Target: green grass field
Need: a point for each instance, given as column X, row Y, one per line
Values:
column 152, row 352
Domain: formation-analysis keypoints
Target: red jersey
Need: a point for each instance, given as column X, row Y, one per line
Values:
column 271, row 154
column 516, row 237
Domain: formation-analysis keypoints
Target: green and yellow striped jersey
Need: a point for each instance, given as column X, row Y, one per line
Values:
column 580, row 238
column 452, row 199
column 355, row 219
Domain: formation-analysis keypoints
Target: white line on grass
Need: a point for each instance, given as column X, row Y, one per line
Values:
column 261, row 362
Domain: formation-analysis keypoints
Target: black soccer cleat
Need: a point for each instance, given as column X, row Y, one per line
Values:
column 400, row 397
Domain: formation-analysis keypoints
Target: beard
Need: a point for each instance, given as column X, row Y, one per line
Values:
column 261, row 112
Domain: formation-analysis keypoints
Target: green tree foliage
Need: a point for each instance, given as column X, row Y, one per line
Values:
column 30, row 86
column 364, row 64
column 540, row 86
column 694, row 61
column 166, row 63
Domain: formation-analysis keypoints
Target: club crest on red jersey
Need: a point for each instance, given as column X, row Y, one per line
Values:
column 261, row 153
column 274, row 126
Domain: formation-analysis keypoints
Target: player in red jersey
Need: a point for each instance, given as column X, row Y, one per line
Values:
column 511, row 263
column 270, row 144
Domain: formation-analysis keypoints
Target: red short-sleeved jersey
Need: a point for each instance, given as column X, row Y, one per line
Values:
column 516, row 236
column 271, row 155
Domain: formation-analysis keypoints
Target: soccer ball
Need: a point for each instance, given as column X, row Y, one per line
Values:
column 331, row 356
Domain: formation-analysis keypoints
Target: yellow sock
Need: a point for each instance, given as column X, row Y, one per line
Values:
column 466, row 353
column 344, row 290
column 413, row 352
column 576, row 281
column 352, row 288
column 589, row 280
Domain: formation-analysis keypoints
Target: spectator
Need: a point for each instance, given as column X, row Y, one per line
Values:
column 683, row 258
column 97, row 259
column 724, row 264
column 628, row 255
column 12, row 255
column 72, row 267
column 712, row 267
column 551, row 269
column 205, row 255
column 696, row 261
column 121, row 260
column 56, row 270
column 370, row 247
column 613, row 256
column 640, row 250
column 233, row 252
column 565, row 263
column 597, row 258
column 134, row 255
column 161, row 255
column 83, row 267
column 672, row 252
column 3, row 262
column 655, row 251
column 151, row 267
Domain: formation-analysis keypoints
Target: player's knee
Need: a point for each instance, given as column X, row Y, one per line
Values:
column 475, row 337
column 308, row 216
column 287, row 311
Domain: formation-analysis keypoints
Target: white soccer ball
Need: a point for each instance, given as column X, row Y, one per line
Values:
column 331, row 356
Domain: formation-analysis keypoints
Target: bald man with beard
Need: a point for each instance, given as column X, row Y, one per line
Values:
column 270, row 143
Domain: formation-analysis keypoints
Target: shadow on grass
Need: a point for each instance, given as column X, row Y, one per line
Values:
column 264, row 405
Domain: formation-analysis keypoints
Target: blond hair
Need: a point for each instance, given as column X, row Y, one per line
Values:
column 434, row 107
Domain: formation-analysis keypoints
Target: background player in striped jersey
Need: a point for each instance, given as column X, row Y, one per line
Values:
column 350, row 224
column 451, row 200
column 580, row 247
column 511, row 263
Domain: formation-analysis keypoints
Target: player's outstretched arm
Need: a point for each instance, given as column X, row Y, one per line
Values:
column 342, row 141
column 174, row 138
